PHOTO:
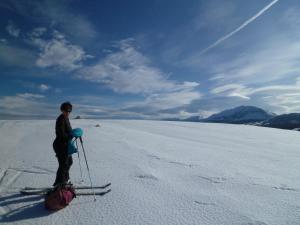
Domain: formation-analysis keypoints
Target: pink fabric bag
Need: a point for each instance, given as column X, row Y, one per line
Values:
column 59, row 198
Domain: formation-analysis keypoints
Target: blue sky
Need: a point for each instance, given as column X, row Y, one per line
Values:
column 148, row 59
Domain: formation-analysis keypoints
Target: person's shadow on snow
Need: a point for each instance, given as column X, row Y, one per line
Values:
column 33, row 208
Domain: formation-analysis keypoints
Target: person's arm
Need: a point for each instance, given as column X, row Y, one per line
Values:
column 60, row 128
column 68, row 128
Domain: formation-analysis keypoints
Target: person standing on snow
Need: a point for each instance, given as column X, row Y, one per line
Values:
column 63, row 131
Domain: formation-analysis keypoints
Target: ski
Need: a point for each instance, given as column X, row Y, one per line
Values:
column 96, row 193
column 74, row 186
column 43, row 192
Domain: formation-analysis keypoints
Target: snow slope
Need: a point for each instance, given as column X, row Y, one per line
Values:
column 161, row 172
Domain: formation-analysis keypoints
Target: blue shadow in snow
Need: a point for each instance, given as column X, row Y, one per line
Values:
column 33, row 208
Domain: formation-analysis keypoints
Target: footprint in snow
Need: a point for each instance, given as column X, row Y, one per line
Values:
column 171, row 162
column 147, row 176
column 214, row 180
column 180, row 163
column 8, row 177
column 3, row 173
column 28, row 170
column 285, row 188
column 255, row 223
column 205, row 203
column 154, row 157
column 43, row 169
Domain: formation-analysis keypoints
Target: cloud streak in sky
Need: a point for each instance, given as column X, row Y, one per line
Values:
column 59, row 52
column 13, row 30
column 246, row 23
column 127, row 70
column 24, row 105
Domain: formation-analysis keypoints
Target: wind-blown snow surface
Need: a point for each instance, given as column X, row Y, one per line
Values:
column 161, row 173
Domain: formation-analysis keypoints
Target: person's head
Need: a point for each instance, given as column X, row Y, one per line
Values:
column 66, row 108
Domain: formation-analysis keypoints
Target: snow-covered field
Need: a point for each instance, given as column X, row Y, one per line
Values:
column 161, row 172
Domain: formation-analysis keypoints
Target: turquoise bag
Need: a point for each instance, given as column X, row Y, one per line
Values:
column 72, row 144
column 72, row 148
column 77, row 132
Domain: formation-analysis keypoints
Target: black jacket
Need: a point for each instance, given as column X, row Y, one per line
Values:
column 63, row 131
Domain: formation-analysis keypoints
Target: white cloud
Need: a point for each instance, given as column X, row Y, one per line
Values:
column 44, row 87
column 270, row 64
column 58, row 52
column 227, row 87
column 188, row 84
column 30, row 96
column 281, row 98
column 13, row 30
column 285, row 102
column 274, row 58
column 171, row 100
column 88, row 109
column 206, row 113
column 26, row 104
column 267, row 71
column 38, row 32
column 248, row 91
column 56, row 13
column 231, row 90
column 99, row 108
column 156, row 105
column 234, row 94
column 182, row 114
column 129, row 71
column 274, row 89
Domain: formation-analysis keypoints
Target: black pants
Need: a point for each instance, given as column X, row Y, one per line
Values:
column 64, row 164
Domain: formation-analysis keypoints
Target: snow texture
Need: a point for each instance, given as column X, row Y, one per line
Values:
column 161, row 173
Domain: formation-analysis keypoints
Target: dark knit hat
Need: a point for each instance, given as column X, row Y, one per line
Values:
column 66, row 106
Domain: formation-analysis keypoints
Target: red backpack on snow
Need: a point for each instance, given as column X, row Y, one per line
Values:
column 59, row 197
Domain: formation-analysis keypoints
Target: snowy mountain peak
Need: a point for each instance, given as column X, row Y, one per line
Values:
column 241, row 114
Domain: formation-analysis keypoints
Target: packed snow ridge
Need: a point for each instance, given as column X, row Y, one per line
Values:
column 161, row 173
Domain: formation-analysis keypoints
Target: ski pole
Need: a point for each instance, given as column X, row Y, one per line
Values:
column 79, row 160
column 87, row 166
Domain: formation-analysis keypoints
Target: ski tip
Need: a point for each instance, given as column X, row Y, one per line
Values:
column 105, row 192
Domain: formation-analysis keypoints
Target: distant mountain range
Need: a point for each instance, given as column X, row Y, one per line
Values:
column 285, row 121
column 240, row 115
column 250, row 115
